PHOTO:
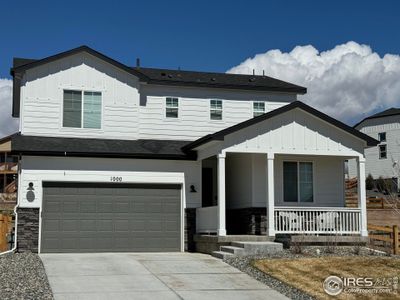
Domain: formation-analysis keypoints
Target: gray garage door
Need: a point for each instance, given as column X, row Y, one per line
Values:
column 108, row 217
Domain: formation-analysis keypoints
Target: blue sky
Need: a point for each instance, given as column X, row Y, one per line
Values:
column 200, row 35
column 345, row 52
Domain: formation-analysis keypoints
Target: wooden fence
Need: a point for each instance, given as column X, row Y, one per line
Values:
column 372, row 202
column 385, row 238
column 6, row 226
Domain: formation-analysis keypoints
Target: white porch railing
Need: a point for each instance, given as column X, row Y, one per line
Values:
column 317, row 220
column 207, row 219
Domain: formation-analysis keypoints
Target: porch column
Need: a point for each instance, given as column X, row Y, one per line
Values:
column 221, row 230
column 362, row 200
column 270, row 194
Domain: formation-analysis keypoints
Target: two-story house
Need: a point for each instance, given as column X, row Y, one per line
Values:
column 120, row 158
column 382, row 160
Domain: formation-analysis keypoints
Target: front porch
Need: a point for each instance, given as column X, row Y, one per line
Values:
column 286, row 168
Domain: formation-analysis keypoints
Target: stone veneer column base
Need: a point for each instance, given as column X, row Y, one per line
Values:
column 190, row 229
column 28, row 229
column 250, row 220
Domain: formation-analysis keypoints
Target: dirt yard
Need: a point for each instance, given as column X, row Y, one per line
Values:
column 308, row 274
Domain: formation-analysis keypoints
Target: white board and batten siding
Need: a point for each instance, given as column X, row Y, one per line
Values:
column 294, row 132
column 42, row 98
column 374, row 165
column 130, row 110
column 74, row 169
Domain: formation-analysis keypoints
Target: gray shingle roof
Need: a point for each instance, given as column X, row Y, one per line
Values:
column 386, row 113
column 58, row 146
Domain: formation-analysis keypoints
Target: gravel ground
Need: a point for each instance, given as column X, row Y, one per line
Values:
column 244, row 263
column 22, row 276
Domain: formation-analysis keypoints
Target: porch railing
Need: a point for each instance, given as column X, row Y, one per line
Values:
column 317, row 220
column 207, row 219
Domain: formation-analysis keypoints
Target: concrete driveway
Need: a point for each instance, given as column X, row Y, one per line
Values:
column 149, row 276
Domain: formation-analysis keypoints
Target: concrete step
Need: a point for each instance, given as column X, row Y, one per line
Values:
column 233, row 250
column 221, row 254
column 255, row 248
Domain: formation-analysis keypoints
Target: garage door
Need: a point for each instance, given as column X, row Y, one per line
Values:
column 110, row 218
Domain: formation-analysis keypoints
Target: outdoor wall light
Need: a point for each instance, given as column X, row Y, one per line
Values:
column 193, row 189
column 30, row 195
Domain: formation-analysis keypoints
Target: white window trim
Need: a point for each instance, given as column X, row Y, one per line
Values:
column 63, row 128
column 165, row 109
column 298, row 181
column 379, row 151
column 379, row 138
column 253, row 111
column 222, row 110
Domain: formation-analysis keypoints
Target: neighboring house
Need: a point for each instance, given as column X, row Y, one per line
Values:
column 8, row 175
column 382, row 160
column 118, row 158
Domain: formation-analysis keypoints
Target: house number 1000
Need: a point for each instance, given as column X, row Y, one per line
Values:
column 116, row 179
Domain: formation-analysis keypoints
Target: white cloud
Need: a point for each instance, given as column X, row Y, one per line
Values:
column 8, row 124
column 348, row 82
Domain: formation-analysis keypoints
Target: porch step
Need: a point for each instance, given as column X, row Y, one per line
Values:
column 239, row 248
column 255, row 248
column 233, row 250
column 221, row 254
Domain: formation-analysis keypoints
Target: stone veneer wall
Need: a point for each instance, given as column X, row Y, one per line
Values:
column 190, row 229
column 251, row 220
column 28, row 229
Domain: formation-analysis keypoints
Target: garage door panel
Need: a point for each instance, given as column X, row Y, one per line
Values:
column 94, row 218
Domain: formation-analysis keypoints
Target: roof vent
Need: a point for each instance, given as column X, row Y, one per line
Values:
column 138, row 62
column 252, row 79
column 169, row 75
column 213, row 79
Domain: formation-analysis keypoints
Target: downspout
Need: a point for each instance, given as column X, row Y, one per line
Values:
column 14, row 248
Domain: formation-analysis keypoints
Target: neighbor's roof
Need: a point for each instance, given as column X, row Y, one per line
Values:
column 160, row 76
column 218, row 136
column 78, row 147
column 386, row 113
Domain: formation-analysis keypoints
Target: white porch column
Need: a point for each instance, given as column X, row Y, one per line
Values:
column 221, row 230
column 270, row 194
column 362, row 200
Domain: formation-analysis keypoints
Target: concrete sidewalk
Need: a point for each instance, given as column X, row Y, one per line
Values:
column 149, row 276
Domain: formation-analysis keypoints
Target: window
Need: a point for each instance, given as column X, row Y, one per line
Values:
column 258, row 108
column 382, row 136
column 298, row 182
column 382, row 152
column 216, row 109
column 92, row 110
column 171, row 108
column 82, row 114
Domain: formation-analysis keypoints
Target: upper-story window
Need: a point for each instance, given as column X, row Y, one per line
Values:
column 82, row 109
column 216, row 109
column 171, row 107
column 258, row 108
column 382, row 136
column 382, row 151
